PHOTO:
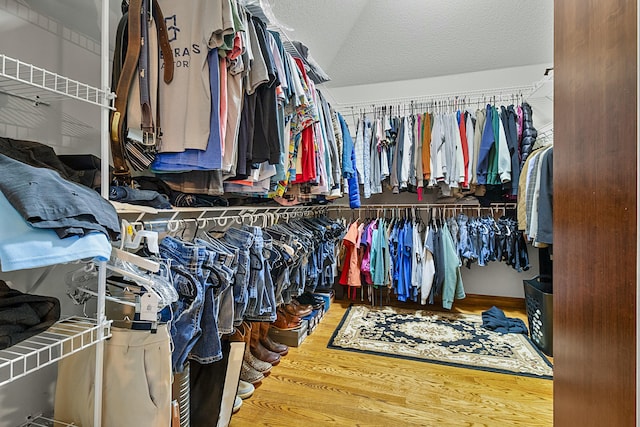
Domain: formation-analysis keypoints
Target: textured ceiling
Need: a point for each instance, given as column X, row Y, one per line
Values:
column 360, row 42
column 373, row 41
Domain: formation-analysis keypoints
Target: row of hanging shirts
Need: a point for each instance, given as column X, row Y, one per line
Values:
column 420, row 260
column 453, row 150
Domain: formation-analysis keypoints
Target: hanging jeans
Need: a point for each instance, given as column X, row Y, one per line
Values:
column 261, row 305
column 225, row 265
column 241, row 240
column 187, row 311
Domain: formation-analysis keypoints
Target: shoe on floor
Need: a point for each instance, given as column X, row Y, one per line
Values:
column 245, row 390
column 236, row 405
column 249, row 374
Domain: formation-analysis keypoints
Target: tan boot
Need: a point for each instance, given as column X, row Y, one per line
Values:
column 263, row 367
column 250, row 375
column 259, row 350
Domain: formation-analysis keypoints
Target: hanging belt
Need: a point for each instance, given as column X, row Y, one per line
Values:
column 148, row 130
column 131, row 22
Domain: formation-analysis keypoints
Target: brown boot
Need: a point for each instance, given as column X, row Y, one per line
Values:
column 248, row 372
column 270, row 344
column 286, row 321
column 263, row 367
column 259, row 350
column 238, row 334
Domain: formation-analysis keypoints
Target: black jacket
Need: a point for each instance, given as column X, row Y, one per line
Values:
column 529, row 133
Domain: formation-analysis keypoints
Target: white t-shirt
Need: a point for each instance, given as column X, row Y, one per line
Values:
column 193, row 27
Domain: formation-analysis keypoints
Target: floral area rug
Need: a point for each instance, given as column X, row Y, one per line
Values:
column 447, row 338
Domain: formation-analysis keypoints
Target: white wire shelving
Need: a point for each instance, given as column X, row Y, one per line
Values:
column 64, row 338
column 26, row 81
column 40, row 86
column 41, row 421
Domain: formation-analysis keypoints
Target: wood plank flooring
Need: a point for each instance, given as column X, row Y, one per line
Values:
column 317, row 386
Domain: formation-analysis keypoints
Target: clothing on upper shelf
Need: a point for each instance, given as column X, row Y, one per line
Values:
column 255, row 105
column 451, row 151
column 23, row 246
column 48, row 201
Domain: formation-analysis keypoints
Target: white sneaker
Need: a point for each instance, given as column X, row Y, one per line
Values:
column 236, row 405
column 245, row 390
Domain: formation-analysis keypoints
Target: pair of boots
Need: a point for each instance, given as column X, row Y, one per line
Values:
column 261, row 353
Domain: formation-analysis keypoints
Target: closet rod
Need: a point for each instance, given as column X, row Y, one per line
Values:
column 525, row 91
column 267, row 217
column 506, row 205
column 212, row 213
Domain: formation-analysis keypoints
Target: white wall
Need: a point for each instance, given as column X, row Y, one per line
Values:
column 499, row 279
column 68, row 126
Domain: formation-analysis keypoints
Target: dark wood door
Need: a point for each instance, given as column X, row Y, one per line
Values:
column 595, row 195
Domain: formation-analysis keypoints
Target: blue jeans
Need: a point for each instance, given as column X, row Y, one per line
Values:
column 489, row 229
column 222, row 266
column 465, row 249
column 187, row 311
column 138, row 197
column 208, row 348
column 261, row 305
column 280, row 266
column 241, row 240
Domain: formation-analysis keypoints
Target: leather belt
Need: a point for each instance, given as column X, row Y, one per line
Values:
column 148, row 131
column 132, row 22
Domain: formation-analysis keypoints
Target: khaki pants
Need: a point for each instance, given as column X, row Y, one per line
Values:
column 136, row 385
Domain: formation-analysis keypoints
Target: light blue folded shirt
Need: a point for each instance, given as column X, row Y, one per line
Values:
column 23, row 246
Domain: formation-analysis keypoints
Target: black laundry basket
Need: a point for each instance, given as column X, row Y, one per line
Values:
column 538, row 296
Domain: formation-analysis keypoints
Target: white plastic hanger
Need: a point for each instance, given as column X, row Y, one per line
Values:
column 132, row 238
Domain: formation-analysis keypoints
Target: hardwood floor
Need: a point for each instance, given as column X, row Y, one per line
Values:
column 317, row 386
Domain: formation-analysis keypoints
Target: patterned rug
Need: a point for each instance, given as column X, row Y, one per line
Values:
column 447, row 338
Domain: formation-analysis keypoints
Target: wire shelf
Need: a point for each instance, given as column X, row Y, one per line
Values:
column 41, row 421
column 27, row 81
column 66, row 337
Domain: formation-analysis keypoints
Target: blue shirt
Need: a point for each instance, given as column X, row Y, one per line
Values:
column 191, row 159
column 23, row 246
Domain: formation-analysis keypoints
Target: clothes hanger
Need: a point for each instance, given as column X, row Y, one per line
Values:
column 133, row 239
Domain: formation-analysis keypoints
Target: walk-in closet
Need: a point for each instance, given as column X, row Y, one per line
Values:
column 305, row 213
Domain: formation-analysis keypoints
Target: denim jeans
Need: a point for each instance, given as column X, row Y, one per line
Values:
column 489, row 226
column 280, row 272
column 242, row 240
column 187, row 311
column 208, row 348
column 138, row 197
column 464, row 240
column 261, row 306
column 475, row 240
column 222, row 266
column 297, row 277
